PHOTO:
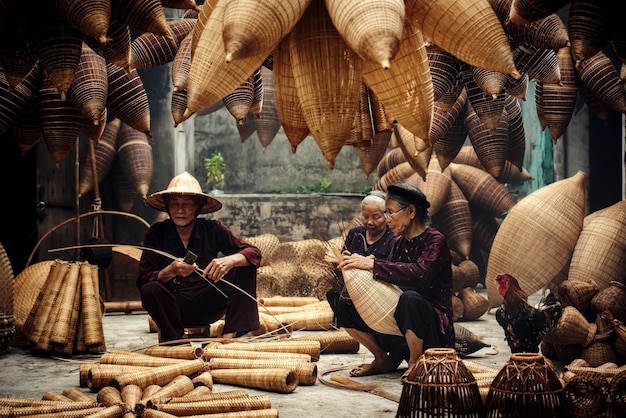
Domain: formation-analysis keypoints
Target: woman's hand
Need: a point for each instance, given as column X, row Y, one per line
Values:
column 356, row 261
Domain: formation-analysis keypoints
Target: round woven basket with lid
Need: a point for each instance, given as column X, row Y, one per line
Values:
column 440, row 385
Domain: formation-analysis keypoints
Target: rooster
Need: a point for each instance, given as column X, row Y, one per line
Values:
column 524, row 326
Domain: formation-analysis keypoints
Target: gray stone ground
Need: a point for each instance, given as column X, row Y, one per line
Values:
column 27, row 374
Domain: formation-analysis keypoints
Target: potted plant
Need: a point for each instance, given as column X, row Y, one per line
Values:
column 215, row 168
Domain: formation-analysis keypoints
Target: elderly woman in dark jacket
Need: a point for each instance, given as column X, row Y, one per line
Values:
column 420, row 264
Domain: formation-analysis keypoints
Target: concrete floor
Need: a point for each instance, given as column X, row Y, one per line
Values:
column 28, row 374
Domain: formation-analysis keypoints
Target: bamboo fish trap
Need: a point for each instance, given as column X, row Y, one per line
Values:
column 274, row 380
column 375, row 301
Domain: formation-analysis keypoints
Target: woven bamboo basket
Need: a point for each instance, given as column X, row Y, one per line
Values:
column 491, row 145
column 190, row 5
column 465, row 274
column 600, row 249
column 475, row 304
column 487, row 108
column 60, row 121
column 517, row 87
column 177, row 387
column 109, row 396
column 455, row 220
column 135, row 155
column 270, row 379
column 258, row 87
column 149, row 50
column 553, row 214
column 306, row 372
column 27, row 286
column 158, row 375
column 327, row 75
column 445, row 23
column 585, row 394
column 573, row 328
column 490, row 82
column 311, row 320
column 268, row 123
column 513, row 165
column 96, row 376
column 212, row 352
column 197, row 393
column 391, row 159
column 548, row 32
column 444, row 70
column 376, row 36
column 117, row 50
column 147, row 16
column 480, row 188
column 559, row 100
column 27, row 128
column 55, row 408
column 444, row 118
column 287, row 101
column 181, row 64
column 440, row 385
column 91, row 19
column 125, row 194
column 178, row 106
column 599, row 352
column 203, row 379
column 467, row 342
column 395, row 174
column 178, row 352
column 210, row 77
column 88, row 89
column 58, row 48
column 526, row 379
column 337, row 341
column 217, row 406
column 259, row 413
column 458, row 309
column 136, row 359
column 251, row 26
column 75, row 394
column 104, row 153
column 374, row 300
column 203, row 396
column 238, row 101
column 151, row 390
column 602, row 78
column 484, row 230
column 539, row 63
column 618, row 390
column 511, row 173
column 127, row 98
column 577, row 293
column 405, row 89
column 131, row 395
column 436, row 186
column 60, row 323
column 311, row 348
column 588, row 31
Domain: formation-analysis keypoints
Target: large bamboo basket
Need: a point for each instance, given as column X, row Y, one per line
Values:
column 211, row 77
column 610, row 299
column 511, row 174
column 287, row 101
column 445, row 22
column 89, row 88
column 147, row 16
column 444, row 119
column 390, row 160
column 602, row 78
column 327, row 75
column 268, row 122
column 455, row 220
column 267, row 243
column 90, row 18
column 270, row 379
column 396, row 174
column 372, row 28
column 517, row 137
column 258, row 91
column 490, row 82
column 491, row 146
column 60, row 121
column 488, row 108
column 480, row 188
column 117, row 49
column 181, row 64
column 7, row 286
column 444, row 71
column 549, row 220
column 374, row 300
column 484, row 230
column 416, row 151
column 517, row 87
column 440, row 385
column 127, row 98
column 27, row 286
column 58, row 48
column 149, row 50
column 250, row 27
column 540, row 64
column 238, row 101
column 526, row 379
column 27, row 128
column 405, row 89
column 588, row 29
column 601, row 248
column 577, row 293
column 559, row 100
column 135, row 156
column 585, row 394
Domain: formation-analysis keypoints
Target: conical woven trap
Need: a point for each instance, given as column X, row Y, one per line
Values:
column 537, row 238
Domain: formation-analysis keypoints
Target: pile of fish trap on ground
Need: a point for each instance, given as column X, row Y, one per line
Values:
column 67, row 315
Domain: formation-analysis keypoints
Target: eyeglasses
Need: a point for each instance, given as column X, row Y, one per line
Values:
column 389, row 216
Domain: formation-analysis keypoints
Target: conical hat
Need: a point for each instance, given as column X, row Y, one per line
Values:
column 187, row 185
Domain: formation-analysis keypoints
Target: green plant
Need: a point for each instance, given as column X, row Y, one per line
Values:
column 215, row 168
column 320, row 186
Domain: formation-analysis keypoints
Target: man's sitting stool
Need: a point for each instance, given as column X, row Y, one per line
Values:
column 214, row 330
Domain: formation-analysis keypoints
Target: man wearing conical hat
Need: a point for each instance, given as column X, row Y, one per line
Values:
column 180, row 292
